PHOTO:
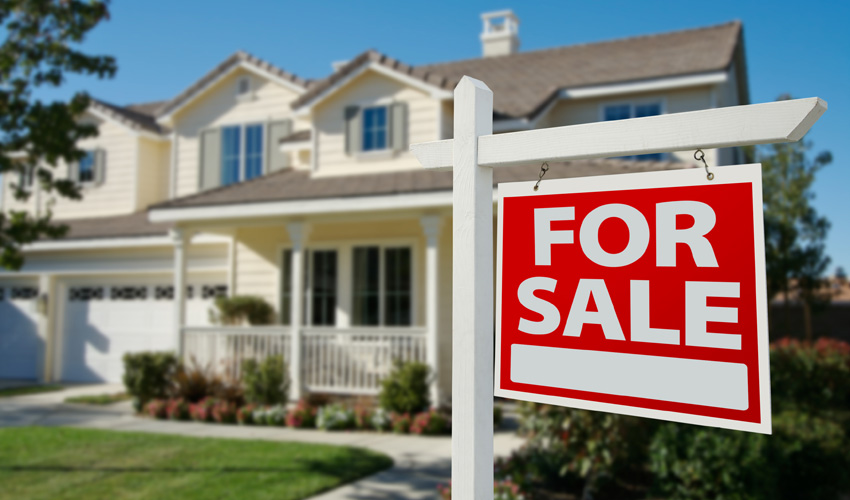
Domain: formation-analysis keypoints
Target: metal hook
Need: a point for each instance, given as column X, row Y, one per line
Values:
column 701, row 157
column 543, row 169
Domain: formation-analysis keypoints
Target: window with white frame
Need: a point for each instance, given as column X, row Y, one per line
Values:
column 375, row 135
column 86, row 168
column 241, row 153
column 624, row 111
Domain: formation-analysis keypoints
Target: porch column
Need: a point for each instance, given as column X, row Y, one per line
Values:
column 297, row 236
column 431, row 225
column 181, row 243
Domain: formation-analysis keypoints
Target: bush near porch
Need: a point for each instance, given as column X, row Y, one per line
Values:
column 615, row 456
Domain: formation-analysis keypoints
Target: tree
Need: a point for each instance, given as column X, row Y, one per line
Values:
column 794, row 232
column 41, row 47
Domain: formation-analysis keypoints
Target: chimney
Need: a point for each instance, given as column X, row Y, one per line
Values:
column 501, row 33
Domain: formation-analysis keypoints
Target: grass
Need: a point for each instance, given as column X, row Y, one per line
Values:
column 29, row 389
column 99, row 399
column 61, row 463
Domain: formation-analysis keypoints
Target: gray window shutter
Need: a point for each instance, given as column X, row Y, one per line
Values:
column 74, row 172
column 99, row 166
column 398, row 126
column 353, row 130
column 210, row 161
column 275, row 159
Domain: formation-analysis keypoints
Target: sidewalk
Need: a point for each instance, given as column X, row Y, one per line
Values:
column 421, row 463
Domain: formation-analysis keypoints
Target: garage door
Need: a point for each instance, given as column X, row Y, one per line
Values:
column 19, row 341
column 105, row 320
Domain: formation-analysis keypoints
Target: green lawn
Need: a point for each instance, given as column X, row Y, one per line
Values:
column 99, row 399
column 28, row 389
column 57, row 463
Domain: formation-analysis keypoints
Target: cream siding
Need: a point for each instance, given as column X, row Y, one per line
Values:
column 220, row 106
column 369, row 89
column 152, row 184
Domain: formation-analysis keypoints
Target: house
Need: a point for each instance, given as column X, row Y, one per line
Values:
column 254, row 181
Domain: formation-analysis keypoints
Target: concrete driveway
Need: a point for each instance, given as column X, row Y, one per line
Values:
column 421, row 463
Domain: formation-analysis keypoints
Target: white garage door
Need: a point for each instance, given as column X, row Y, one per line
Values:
column 105, row 320
column 19, row 341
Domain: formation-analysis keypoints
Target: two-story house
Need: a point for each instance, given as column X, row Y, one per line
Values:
column 254, row 181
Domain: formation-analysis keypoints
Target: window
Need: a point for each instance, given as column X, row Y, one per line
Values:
column 26, row 176
column 86, row 168
column 243, row 86
column 375, row 128
column 323, row 287
column 383, row 288
column 230, row 147
column 240, row 163
column 626, row 111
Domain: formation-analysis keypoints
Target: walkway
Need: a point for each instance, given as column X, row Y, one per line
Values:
column 421, row 463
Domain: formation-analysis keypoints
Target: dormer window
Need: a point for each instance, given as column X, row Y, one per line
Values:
column 375, row 128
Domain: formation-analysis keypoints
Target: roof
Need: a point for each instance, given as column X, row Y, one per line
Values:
column 290, row 184
column 132, row 225
column 136, row 116
column 300, row 136
column 523, row 83
column 234, row 60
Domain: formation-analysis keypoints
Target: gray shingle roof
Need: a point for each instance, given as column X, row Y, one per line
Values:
column 135, row 116
column 292, row 185
column 523, row 83
column 132, row 225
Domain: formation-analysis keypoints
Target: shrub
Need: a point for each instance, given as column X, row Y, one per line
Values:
column 363, row 417
column 303, row 416
column 271, row 415
column 178, row 409
column 156, row 408
column 400, row 422
column 811, row 377
column 146, row 375
column 245, row 414
column 405, row 389
column 194, row 382
column 239, row 309
column 266, row 382
column 224, row 412
column 381, row 420
column 202, row 410
column 431, row 423
column 335, row 417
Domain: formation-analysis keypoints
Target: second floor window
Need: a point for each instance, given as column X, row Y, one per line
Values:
column 375, row 128
column 640, row 110
column 241, row 153
column 86, row 172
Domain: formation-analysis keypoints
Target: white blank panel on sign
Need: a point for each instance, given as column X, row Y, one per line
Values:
column 689, row 381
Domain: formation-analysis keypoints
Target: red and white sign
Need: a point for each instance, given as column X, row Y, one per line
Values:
column 642, row 294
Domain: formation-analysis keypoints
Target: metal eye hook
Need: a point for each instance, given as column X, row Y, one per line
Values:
column 543, row 169
column 700, row 156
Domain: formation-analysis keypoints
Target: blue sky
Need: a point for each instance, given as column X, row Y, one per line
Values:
column 792, row 47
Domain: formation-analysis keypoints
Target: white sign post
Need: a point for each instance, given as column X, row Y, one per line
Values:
column 474, row 151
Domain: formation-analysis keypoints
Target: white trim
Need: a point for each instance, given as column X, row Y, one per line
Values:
column 126, row 242
column 246, row 65
column 433, row 91
column 296, row 146
column 303, row 207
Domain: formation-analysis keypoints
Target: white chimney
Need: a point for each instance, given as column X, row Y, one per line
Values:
column 501, row 33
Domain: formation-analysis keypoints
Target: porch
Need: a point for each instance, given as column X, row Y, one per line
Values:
column 373, row 291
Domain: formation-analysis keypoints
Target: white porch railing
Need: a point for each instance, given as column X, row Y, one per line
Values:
column 354, row 360
column 333, row 360
column 225, row 347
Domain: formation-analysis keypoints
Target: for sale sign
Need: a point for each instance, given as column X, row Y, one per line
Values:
column 642, row 294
